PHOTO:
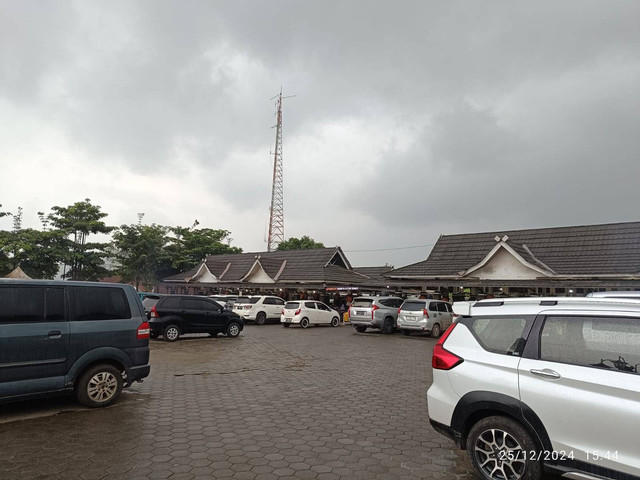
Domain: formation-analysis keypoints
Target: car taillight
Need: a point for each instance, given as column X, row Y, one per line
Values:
column 298, row 311
column 143, row 331
column 443, row 359
column 399, row 310
column 373, row 309
column 153, row 313
column 282, row 312
column 425, row 312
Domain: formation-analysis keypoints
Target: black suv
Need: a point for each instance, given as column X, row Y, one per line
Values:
column 175, row 315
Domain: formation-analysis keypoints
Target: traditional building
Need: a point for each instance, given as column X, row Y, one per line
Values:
column 317, row 269
column 545, row 261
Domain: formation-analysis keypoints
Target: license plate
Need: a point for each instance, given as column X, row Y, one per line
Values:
column 288, row 320
column 361, row 312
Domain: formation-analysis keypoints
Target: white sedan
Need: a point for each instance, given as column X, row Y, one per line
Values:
column 308, row 312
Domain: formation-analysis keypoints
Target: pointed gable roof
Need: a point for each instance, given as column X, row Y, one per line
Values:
column 18, row 273
column 610, row 249
column 312, row 266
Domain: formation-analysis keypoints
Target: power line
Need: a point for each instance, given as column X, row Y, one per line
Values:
column 387, row 249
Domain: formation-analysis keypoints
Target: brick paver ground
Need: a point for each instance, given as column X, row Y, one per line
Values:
column 323, row 403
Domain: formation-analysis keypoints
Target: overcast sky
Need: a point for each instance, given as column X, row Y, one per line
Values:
column 411, row 118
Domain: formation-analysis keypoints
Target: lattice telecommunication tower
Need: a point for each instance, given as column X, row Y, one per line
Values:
column 276, row 211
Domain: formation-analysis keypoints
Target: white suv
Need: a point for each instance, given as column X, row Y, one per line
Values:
column 542, row 384
column 260, row 309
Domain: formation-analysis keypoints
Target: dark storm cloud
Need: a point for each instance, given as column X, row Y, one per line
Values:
column 467, row 115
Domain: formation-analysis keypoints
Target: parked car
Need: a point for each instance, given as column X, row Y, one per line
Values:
column 425, row 316
column 260, row 309
column 530, row 385
column 226, row 301
column 308, row 312
column 87, row 338
column 374, row 312
column 176, row 315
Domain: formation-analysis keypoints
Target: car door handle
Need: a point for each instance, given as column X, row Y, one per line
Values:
column 546, row 373
column 54, row 334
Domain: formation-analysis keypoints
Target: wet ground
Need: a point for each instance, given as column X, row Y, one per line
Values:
column 321, row 403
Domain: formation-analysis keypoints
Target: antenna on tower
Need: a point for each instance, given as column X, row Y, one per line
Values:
column 276, row 211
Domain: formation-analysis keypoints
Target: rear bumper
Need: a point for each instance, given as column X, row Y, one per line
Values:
column 356, row 322
column 447, row 432
column 290, row 320
column 137, row 373
column 416, row 328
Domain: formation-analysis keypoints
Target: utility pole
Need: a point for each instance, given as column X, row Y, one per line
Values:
column 276, row 211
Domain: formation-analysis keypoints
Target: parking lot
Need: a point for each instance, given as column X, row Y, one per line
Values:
column 324, row 403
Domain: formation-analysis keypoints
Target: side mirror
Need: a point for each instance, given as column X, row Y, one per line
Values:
column 221, row 310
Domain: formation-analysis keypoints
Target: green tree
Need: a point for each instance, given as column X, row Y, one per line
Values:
column 302, row 243
column 190, row 245
column 38, row 253
column 139, row 251
column 84, row 259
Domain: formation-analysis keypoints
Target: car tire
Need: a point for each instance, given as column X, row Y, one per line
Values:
column 406, row 333
column 387, row 326
column 99, row 386
column 503, row 434
column 171, row 333
column 360, row 329
column 261, row 317
column 233, row 330
column 304, row 323
column 436, row 331
column 335, row 321
column 286, row 325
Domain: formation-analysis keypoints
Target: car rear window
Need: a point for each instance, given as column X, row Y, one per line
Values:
column 253, row 300
column 292, row 305
column 499, row 334
column 362, row 302
column 169, row 302
column 242, row 300
column 413, row 306
column 100, row 303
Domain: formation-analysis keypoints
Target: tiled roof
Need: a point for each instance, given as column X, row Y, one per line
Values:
column 611, row 249
column 181, row 277
column 319, row 265
column 375, row 273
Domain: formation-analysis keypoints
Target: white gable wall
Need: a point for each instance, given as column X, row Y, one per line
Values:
column 204, row 276
column 504, row 266
column 258, row 275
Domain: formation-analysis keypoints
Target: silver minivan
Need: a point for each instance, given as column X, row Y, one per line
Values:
column 425, row 316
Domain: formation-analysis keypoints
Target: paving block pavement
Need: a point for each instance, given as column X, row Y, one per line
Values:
column 322, row 403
